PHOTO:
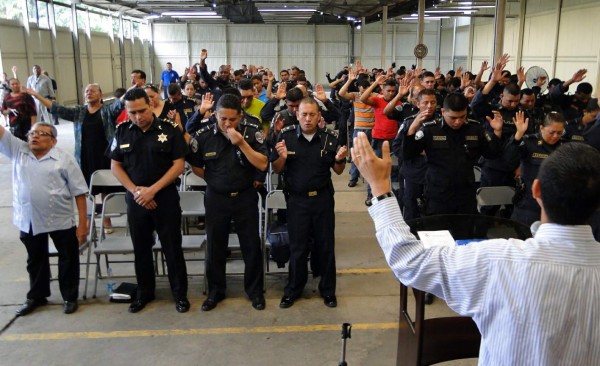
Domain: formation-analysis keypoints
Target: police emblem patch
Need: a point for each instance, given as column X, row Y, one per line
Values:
column 419, row 135
column 162, row 138
column 259, row 136
column 194, row 145
column 113, row 146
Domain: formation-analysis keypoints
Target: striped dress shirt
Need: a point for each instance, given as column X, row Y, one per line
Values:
column 535, row 302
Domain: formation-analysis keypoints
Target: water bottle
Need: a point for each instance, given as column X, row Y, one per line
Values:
column 110, row 286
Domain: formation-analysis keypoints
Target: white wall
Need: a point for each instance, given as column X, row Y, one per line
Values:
column 315, row 49
column 18, row 49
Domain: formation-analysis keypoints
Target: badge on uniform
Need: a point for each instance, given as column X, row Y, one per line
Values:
column 419, row 135
column 194, row 145
column 162, row 138
column 259, row 136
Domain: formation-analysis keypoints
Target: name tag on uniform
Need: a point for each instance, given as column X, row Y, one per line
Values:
column 124, row 146
column 577, row 138
column 211, row 153
column 539, row 156
column 439, row 138
column 188, row 110
column 291, row 152
column 471, row 138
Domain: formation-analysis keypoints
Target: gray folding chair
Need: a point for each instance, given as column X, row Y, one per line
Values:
column 192, row 205
column 119, row 243
column 494, row 196
column 274, row 201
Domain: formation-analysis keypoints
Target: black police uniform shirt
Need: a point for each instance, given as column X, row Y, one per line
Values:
column 415, row 167
column 226, row 168
column 185, row 108
column 147, row 156
column 308, row 164
column 533, row 151
column 509, row 160
column 451, row 154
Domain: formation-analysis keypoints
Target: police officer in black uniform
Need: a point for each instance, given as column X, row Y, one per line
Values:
column 534, row 149
column 184, row 106
column 452, row 146
column 499, row 171
column 147, row 157
column 414, row 168
column 227, row 154
column 305, row 154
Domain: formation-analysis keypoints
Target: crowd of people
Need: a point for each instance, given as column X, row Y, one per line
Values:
column 231, row 125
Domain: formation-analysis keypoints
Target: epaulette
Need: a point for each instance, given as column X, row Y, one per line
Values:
column 473, row 121
column 531, row 136
column 429, row 123
column 245, row 122
column 252, row 115
column 204, row 129
column 413, row 116
column 289, row 128
column 331, row 132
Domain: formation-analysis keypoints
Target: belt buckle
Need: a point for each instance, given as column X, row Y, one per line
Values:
column 233, row 194
column 312, row 193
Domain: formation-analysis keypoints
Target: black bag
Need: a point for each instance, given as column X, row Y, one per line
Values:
column 277, row 234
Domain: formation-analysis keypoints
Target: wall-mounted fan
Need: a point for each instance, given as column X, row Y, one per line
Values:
column 533, row 75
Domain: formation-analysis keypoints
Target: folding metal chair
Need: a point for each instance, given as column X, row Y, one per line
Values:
column 275, row 201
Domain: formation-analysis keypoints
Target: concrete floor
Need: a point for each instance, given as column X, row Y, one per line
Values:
column 102, row 333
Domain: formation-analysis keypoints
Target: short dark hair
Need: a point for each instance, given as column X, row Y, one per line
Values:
column 245, row 84
column 401, row 72
column 390, row 82
column 455, row 82
column 584, row 88
column 526, row 91
column 309, row 100
column 232, row 91
column 294, row 95
column 257, row 77
column 173, row 89
column 364, row 82
column 455, row 102
column 151, row 87
column 138, row 71
column 119, row 92
column 512, row 89
column 554, row 82
column 570, row 183
column 301, row 78
column 238, row 72
column 451, row 73
column 229, row 101
column 427, row 74
column 135, row 94
column 284, row 70
column 424, row 92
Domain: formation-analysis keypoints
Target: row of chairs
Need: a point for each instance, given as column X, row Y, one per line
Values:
column 110, row 249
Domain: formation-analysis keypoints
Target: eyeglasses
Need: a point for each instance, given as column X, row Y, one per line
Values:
column 39, row 133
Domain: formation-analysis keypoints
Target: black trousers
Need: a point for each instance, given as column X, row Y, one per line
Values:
column 311, row 217
column 38, row 263
column 220, row 210
column 166, row 221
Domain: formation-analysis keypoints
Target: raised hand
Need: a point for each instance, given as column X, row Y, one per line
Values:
column 438, row 72
column 404, row 86
column 464, row 81
column 207, row 103
column 521, row 75
column 521, row 122
column 579, row 75
column 497, row 122
column 497, row 72
column 277, row 123
column 320, row 93
column 484, row 66
column 351, row 75
column 459, row 72
column 381, row 79
column 504, row 59
column 281, row 91
column 203, row 54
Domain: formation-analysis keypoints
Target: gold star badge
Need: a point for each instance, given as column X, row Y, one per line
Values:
column 162, row 138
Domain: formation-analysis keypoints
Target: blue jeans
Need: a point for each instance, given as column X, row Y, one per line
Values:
column 354, row 173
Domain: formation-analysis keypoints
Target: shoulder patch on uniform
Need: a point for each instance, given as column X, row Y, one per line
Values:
column 259, row 136
column 429, row 123
column 245, row 122
column 419, row 135
column 289, row 128
column 473, row 121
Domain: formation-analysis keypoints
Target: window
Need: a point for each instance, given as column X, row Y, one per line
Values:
column 8, row 10
column 81, row 19
column 99, row 23
column 62, row 16
column 32, row 11
column 43, row 21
